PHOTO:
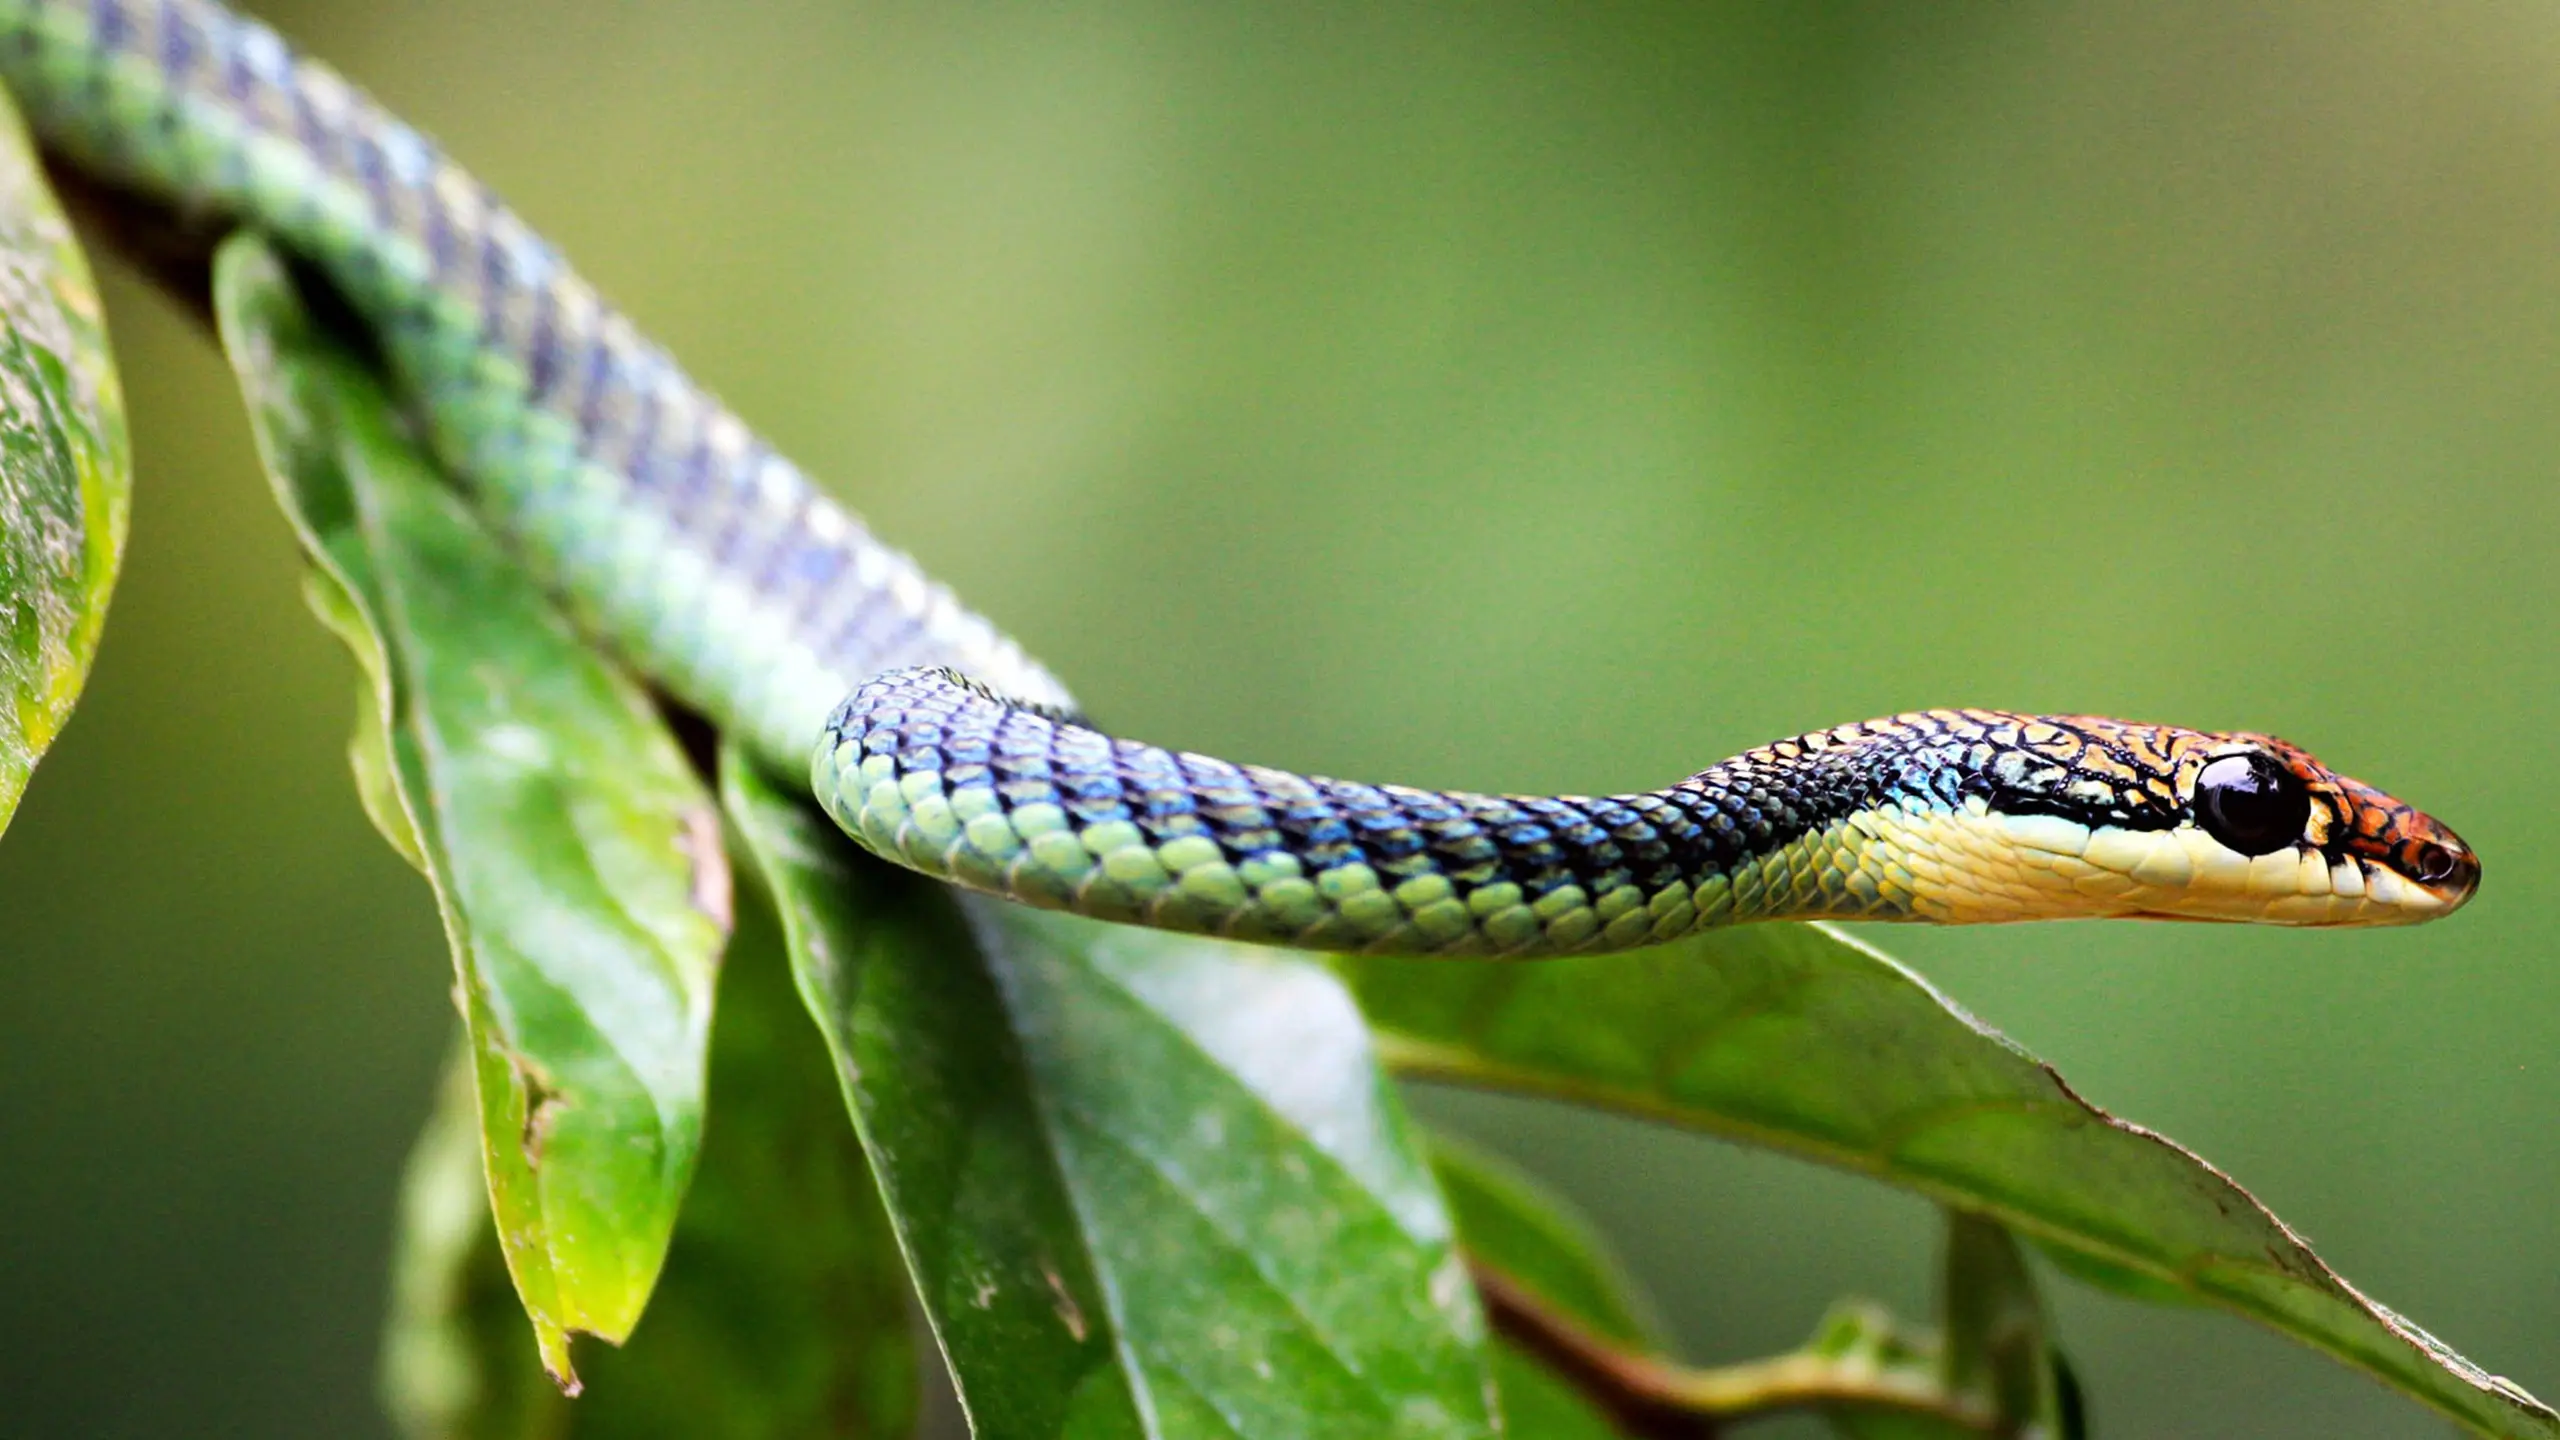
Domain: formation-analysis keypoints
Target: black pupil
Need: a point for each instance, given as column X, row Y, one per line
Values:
column 2251, row 804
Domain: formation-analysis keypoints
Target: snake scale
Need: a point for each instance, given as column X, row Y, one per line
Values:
column 712, row 565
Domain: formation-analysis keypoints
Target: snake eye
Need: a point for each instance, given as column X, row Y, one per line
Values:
column 2251, row 804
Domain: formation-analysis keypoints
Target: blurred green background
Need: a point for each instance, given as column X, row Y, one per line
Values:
column 1550, row 397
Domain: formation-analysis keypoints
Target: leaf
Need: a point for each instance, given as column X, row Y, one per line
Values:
column 783, row 1311
column 1147, row 1186
column 1506, row 1220
column 369, row 751
column 1546, row 1249
column 453, row 1362
column 65, row 467
column 1539, row 1404
column 574, row 855
column 1992, row 1325
column 1798, row 1039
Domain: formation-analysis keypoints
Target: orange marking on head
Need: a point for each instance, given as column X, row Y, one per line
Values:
column 2098, row 759
column 2384, row 829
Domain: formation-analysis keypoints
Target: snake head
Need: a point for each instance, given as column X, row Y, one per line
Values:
column 2344, row 822
column 2233, row 825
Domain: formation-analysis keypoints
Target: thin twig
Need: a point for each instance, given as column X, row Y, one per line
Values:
column 1652, row 1398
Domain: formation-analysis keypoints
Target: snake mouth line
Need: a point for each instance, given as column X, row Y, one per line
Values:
column 2182, row 872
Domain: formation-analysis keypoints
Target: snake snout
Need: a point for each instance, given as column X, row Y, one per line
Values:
column 2411, row 859
column 2438, row 862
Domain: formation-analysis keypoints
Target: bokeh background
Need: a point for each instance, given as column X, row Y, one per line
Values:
column 1546, row 396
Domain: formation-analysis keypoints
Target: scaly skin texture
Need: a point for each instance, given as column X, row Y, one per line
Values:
column 1943, row 815
column 712, row 565
column 674, row 533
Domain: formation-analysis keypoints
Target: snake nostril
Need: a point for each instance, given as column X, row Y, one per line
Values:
column 2433, row 863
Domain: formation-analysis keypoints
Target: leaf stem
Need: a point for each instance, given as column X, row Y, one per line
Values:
column 1653, row 1398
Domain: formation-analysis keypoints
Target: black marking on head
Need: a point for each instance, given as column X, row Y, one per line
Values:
column 1772, row 797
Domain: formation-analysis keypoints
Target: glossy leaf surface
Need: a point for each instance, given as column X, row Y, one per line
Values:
column 575, row 857
column 1147, row 1186
column 65, row 467
column 783, row 1311
column 1798, row 1039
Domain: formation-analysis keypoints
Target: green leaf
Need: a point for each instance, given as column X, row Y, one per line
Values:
column 453, row 1358
column 574, row 855
column 1992, row 1324
column 1544, row 1248
column 1505, row 1220
column 783, row 1311
column 65, row 467
column 369, row 751
column 1147, row 1186
column 1795, row 1038
column 1539, row 1404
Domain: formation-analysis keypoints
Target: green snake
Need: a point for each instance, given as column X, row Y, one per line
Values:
column 713, row 566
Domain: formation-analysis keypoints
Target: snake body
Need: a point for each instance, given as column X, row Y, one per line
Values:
column 712, row 565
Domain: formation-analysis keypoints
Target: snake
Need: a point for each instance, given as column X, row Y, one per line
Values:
column 716, row 569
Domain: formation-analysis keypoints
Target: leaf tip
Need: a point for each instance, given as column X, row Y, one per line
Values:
column 553, row 1340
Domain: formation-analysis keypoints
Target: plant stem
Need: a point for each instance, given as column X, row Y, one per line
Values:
column 1653, row 1398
